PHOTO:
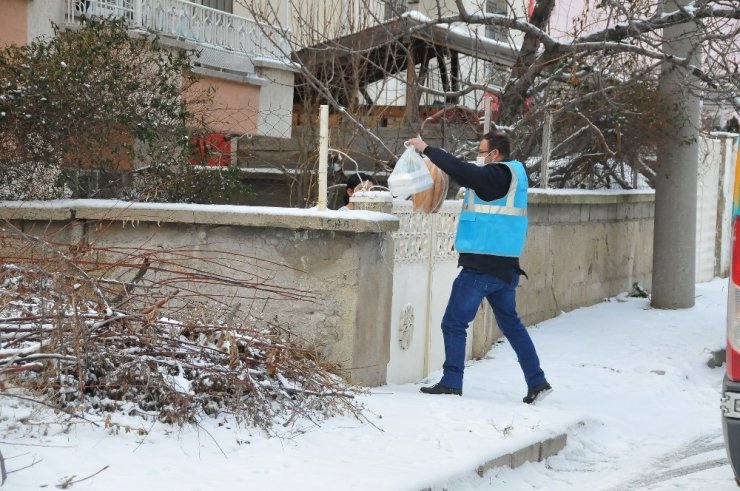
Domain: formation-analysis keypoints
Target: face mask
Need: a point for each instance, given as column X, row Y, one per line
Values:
column 480, row 161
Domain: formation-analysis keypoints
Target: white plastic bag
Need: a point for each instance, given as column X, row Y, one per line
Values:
column 410, row 175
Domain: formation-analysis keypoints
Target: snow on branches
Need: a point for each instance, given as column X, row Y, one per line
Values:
column 67, row 348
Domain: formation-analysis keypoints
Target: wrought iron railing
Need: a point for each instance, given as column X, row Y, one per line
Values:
column 192, row 22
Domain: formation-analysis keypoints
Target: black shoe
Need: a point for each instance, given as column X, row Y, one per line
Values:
column 537, row 392
column 441, row 389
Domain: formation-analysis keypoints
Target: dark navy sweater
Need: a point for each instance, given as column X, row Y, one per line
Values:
column 490, row 182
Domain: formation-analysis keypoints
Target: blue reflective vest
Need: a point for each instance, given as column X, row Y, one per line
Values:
column 496, row 227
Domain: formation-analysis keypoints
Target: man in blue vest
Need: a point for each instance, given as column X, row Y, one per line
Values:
column 490, row 238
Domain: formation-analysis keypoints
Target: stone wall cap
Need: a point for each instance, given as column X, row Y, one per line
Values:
column 585, row 196
column 247, row 216
column 372, row 197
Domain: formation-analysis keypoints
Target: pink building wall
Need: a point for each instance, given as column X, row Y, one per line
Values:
column 14, row 22
column 235, row 105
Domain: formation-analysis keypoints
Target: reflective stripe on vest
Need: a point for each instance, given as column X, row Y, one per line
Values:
column 508, row 209
column 491, row 209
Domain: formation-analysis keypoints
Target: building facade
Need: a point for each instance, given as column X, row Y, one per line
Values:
column 246, row 62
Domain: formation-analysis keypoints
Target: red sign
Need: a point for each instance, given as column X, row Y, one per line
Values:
column 494, row 101
column 212, row 149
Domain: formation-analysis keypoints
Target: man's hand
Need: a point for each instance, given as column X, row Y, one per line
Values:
column 418, row 144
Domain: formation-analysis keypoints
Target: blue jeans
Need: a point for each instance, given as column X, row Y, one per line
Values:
column 468, row 291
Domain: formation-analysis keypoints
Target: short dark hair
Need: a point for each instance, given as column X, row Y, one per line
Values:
column 353, row 181
column 498, row 140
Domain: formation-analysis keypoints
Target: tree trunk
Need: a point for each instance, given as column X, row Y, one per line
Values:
column 674, row 240
column 514, row 95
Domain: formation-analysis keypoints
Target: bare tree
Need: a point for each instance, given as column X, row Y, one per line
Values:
column 355, row 57
column 599, row 81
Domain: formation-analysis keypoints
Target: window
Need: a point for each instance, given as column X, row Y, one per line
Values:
column 496, row 32
column 394, row 8
column 224, row 5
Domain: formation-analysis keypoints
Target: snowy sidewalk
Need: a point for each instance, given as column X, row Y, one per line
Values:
column 631, row 385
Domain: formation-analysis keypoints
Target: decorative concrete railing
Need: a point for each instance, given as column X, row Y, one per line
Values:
column 192, row 22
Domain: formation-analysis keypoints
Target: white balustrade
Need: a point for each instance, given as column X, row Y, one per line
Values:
column 192, row 22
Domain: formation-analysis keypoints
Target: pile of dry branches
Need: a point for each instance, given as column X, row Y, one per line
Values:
column 61, row 339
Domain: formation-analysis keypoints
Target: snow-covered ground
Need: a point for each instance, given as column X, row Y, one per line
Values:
column 633, row 392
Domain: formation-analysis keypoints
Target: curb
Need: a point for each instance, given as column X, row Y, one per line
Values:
column 536, row 452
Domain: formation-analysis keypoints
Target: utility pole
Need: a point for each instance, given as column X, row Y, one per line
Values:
column 674, row 239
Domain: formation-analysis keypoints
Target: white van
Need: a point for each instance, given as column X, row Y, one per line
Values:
column 731, row 383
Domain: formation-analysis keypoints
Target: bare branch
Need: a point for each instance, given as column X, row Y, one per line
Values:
column 597, row 132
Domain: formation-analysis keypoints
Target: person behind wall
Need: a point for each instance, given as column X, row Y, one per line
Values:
column 490, row 238
column 356, row 182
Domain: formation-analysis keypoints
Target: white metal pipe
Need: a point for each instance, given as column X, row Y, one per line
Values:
column 323, row 154
column 546, row 134
column 487, row 115
column 288, row 25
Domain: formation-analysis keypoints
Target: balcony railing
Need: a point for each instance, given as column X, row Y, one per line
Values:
column 192, row 22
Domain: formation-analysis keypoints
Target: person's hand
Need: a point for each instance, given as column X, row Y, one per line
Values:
column 418, row 144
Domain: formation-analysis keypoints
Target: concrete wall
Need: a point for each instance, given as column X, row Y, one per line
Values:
column 581, row 248
column 339, row 263
column 372, row 302
column 714, row 205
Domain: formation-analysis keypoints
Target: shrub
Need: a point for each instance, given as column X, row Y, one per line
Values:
column 86, row 112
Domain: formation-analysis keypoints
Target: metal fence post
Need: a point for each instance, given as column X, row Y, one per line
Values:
column 546, row 131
